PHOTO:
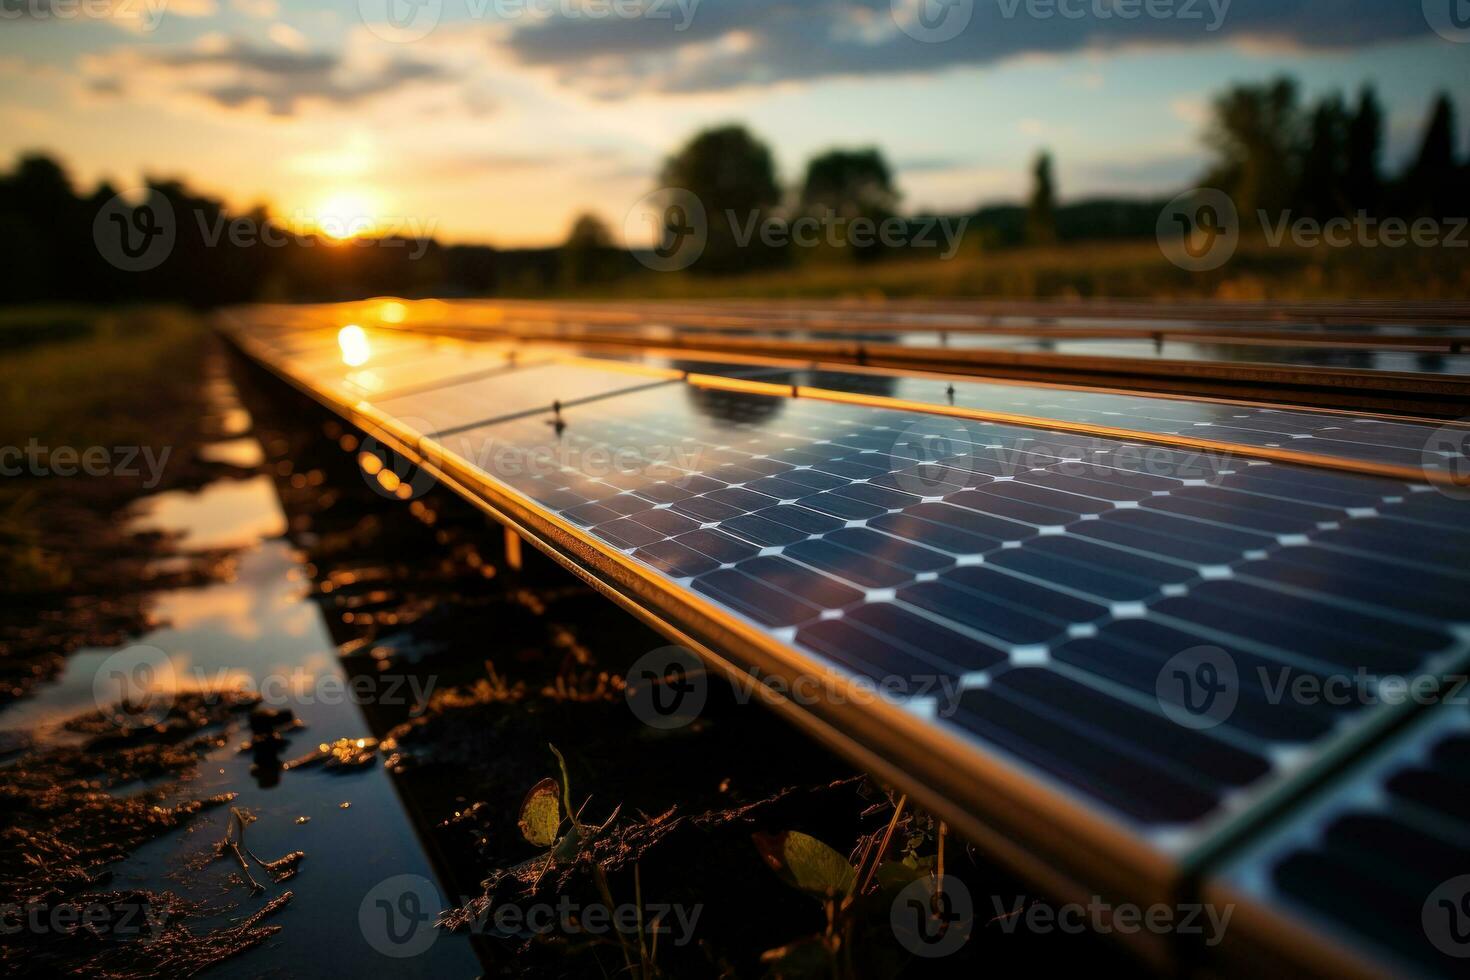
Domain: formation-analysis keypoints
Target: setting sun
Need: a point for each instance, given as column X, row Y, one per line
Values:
column 346, row 214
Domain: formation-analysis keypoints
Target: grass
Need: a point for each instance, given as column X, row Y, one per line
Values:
column 73, row 376
column 1119, row 270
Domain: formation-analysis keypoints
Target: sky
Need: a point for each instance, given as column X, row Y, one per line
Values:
column 500, row 120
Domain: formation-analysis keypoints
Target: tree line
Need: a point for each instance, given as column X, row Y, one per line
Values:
column 1269, row 150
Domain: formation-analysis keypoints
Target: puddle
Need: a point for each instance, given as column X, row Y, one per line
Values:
column 244, row 453
column 258, row 629
column 229, row 514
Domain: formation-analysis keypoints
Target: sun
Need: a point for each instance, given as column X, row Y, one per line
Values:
column 346, row 214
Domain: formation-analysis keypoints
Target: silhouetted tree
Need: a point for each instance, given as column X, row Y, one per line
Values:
column 1322, row 192
column 734, row 177
column 588, row 254
column 1363, row 181
column 851, row 184
column 1041, row 208
column 1430, row 185
column 1256, row 135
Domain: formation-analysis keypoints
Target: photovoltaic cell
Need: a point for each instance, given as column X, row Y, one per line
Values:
column 1046, row 578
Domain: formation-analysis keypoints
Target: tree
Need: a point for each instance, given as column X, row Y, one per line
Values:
column 1363, row 182
column 1322, row 189
column 1430, row 184
column 1256, row 135
column 1041, row 208
column 734, row 177
column 851, row 185
column 588, row 255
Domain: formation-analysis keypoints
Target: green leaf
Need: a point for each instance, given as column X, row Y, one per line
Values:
column 806, row 863
column 566, row 781
column 569, row 846
column 541, row 813
column 898, row 874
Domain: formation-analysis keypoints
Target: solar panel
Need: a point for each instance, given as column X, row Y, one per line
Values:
column 1041, row 568
column 1082, row 641
column 1380, row 856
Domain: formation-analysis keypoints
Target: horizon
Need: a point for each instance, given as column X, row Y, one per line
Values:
column 497, row 130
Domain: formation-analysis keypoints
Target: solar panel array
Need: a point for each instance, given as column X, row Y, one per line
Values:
column 1055, row 600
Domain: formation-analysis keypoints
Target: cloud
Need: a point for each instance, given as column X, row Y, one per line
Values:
column 134, row 16
column 236, row 74
column 759, row 42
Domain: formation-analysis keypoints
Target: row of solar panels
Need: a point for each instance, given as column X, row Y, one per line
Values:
column 1394, row 367
column 1094, row 626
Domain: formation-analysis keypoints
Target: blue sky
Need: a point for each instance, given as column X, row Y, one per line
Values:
column 500, row 120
